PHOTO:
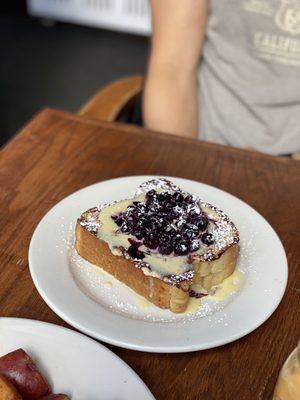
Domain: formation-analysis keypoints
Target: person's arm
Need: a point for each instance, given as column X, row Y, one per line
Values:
column 170, row 101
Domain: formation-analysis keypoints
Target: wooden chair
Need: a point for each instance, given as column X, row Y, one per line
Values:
column 118, row 101
column 121, row 101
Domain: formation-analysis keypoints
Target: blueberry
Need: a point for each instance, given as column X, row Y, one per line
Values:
column 201, row 222
column 150, row 194
column 131, row 226
column 170, row 231
column 167, row 219
column 193, row 228
column 178, row 197
column 124, row 228
column 176, row 239
column 195, row 212
column 194, row 245
column 151, row 199
column 168, row 198
column 129, row 217
column 164, row 238
column 141, row 223
column 161, row 197
column 151, row 242
column 152, row 208
column 148, row 204
column 181, row 249
column 164, row 197
column 190, row 259
column 165, row 249
column 167, row 222
column 146, row 232
column 189, row 199
column 134, row 252
column 207, row 238
column 138, row 234
column 148, row 235
column 154, row 228
column 130, row 209
column 188, row 219
column 118, row 219
column 167, row 208
column 189, row 234
column 172, row 202
column 134, row 242
column 174, row 214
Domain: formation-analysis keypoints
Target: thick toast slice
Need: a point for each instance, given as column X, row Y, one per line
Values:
column 164, row 279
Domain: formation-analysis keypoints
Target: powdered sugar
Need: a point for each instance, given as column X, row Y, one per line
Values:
column 119, row 298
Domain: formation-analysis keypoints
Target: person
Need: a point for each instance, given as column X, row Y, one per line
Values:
column 226, row 71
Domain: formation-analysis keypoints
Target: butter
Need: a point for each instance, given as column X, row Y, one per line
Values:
column 144, row 304
column 160, row 266
column 229, row 286
column 167, row 266
column 147, row 272
column 108, row 285
column 107, row 229
column 193, row 306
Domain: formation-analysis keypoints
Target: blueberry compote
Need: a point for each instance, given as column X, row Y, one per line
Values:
column 166, row 223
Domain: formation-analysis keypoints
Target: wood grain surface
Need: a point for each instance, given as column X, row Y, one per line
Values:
column 58, row 153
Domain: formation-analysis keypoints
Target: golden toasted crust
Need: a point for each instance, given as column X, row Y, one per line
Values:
column 157, row 291
column 211, row 273
column 7, row 390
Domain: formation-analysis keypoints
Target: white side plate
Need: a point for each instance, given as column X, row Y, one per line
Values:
column 84, row 301
column 71, row 362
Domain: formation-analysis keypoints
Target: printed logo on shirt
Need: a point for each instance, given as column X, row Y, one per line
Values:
column 288, row 16
column 259, row 6
column 280, row 48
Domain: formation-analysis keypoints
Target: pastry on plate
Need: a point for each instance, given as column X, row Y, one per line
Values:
column 164, row 243
column 20, row 379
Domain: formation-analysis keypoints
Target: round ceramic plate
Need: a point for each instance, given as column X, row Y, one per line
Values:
column 95, row 303
column 72, row 363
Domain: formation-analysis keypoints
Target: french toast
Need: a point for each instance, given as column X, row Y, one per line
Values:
column 165, row 244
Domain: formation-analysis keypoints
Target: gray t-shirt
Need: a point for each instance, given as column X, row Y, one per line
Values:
column 250, row 75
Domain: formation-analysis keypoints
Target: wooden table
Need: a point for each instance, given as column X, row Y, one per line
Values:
column 58, row 153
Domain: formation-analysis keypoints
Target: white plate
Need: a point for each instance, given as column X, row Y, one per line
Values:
column 81, row 296
column 71, row 362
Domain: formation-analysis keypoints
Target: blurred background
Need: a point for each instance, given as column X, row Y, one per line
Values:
column 58, row 53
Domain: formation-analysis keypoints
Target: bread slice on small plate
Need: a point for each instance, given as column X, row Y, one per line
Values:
column 7, row 390
column 165, row 244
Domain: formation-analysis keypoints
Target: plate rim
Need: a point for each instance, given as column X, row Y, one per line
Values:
column 28, row 322
column 150, row 348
